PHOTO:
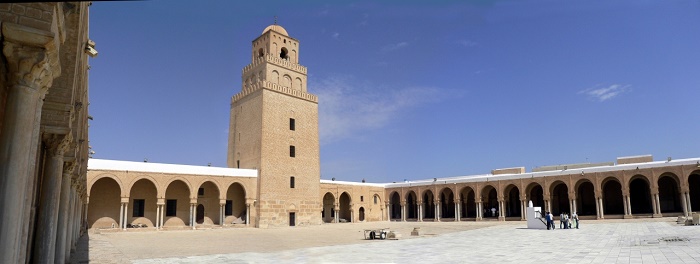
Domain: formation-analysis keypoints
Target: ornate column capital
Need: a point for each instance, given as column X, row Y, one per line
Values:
column 69, row 168
column 32, row 56
column 57, row 143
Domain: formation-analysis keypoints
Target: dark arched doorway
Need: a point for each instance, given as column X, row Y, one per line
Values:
column 669, row 197
column 560, row 199
column 468, row 204
column 490, row 198
column 694, row 188
column 345, row 214
column 512, row 201
column 328, row 213
column 447, row 205
column 200, row 214
column 411, row 205
column 395, row 204
column 362, row 214
column 640, row 197
column 613, row 203
column 586, row 199
column 536, row 195
column 428, row 205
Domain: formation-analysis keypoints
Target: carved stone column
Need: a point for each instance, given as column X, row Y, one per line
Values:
column 47, row 225
column 63, row 213
column 32, row 64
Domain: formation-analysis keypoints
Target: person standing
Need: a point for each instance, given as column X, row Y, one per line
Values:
column 548, row 218
column 551, row 220
column 561, row 220
column 575, row 217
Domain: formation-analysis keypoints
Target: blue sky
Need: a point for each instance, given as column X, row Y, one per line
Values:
column 408, row 90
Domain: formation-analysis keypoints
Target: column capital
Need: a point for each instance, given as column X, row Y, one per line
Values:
column 57, row 143
column 68, row 168
column 32, row 56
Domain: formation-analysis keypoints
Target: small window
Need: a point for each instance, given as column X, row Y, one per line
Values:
column 292, row 151
column 229, row 207
column 260, row 52
column 171, row 207
column 238, row 164
column 292, row 219
column 283, row 54
column 375, row 199
column 362, row 198
column 138, row 207
column 291, row 124
column 291, row 182
column 200, row 192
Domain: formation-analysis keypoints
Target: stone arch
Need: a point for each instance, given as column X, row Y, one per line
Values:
column 261, row 53
column 145, row 177
column 293, row 56
column 428, row 204
column 235, row 208
column 344, row 211
column 105, row 202
column 411, row 205
column 447, row 204
column 328, row 211
column 468, row 200
column 613, row 201
column 177, row 207
column 208, row 196
column 178, row 178
column 287, row 81
column 284, row 53
column 669, row 193
column 512, row 201
column 275, row 77
column 122, row 189
column 559, row 193
column 640, row 194
column 585, row 197
column 377, row 200
column 694, row 189
column 274, row 48
column 145, row 191
column 535, row 193
column 395, row 205
column 297, row 84
column 489, row 198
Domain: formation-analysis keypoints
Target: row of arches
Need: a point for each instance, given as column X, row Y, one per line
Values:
column 143, row 205
column 638, row 197
column 341, row 210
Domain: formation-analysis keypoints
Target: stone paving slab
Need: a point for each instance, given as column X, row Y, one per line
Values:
column 596, row 242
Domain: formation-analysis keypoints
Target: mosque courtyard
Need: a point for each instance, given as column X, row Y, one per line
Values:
column 651, row 240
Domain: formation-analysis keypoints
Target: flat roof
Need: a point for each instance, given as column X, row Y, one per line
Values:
column 120, row 165
column 353, row 183
column 491, row 177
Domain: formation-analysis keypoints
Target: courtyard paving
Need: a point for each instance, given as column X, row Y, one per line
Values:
column 608, row 241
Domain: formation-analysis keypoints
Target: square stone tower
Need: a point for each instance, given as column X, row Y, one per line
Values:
column 274, row 129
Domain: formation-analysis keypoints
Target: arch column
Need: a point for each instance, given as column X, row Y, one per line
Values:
column 193, row 215
column 64, row 211
column 501, row 216
column 47, row 225
column 547, row 205
column 458, row 209
column 388, row 211
column 523, row 208
column 336, row 209
column 161, row 204
column 420, row 211
column 479, row 210
column 437, row 210
column 683, row 203
column 656, row 204
column 690, row 205
column 403, row 211
column 30, row 54
column 222, row 211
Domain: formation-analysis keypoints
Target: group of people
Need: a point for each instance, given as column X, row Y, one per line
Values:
column 566, row 220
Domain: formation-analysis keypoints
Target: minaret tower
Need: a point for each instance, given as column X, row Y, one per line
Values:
column 274, row 129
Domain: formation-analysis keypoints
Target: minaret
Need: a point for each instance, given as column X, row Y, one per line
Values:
column 274, row 129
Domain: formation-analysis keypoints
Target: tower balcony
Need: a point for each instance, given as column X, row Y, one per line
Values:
column 274, row 87
column 269, row 58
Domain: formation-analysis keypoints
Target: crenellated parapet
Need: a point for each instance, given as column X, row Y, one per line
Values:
column 269, row 58
column 274, row 87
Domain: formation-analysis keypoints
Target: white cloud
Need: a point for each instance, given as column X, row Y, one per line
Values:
column 346, row 108
column 605, row 93
column 392, row 47
column 336, row 35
